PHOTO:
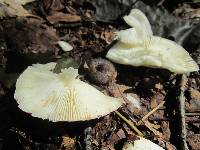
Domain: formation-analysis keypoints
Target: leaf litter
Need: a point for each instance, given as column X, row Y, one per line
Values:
column 30, row 41
column 13, row 8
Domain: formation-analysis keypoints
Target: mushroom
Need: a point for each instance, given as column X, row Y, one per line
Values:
column 141, row 144
column 138, row 47
column 61, row 97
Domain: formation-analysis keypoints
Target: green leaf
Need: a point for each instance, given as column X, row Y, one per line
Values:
column 66, row 63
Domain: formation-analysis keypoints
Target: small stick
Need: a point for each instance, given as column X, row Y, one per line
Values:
column 150, row 113
column 129, row 123
column 181, row 110
column 124, row 118
column 196, row 120
column 192, row 114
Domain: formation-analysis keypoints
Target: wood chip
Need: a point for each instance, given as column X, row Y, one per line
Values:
column 61, row 17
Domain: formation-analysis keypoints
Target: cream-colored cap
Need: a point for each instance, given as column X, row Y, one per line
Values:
column 138, row 47
column 141, row 144
column 61, row 97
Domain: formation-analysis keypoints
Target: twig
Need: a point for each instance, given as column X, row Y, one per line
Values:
column 192, row 114
column 150, row 113
column 88, row 138
column 124, row 118
column 181, row 110
column 129, row 123
column 194, row 120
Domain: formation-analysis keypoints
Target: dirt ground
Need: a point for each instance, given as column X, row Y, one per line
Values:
column 89, row 26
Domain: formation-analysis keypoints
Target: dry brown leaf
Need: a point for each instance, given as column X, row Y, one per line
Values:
column 194, row 141
column 153, row 127
column 156, row 100
column 68, row 143
column 108, row 36
column 195, row 94
column 169, row 146
column 194, row 104
column 61, row 17
column 13, row 8
column 52, row 6
column 121, row 134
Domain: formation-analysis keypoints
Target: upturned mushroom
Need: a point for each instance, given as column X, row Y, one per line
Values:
column 137, row 46
column 141, row 144
column 61, row 96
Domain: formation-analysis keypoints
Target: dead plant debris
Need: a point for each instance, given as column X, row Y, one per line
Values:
column 157, row 105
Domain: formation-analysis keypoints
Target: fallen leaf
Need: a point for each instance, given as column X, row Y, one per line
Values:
column 194, row 104
column 152, row 128
column 194, row 141
column 108, row 36
column 118, row 89
column 156, row 99
column 66, row 63
column 166, row 130
column 65, row 46
column 110, row 10
column 68, row 143
column 51, row 6
column 164, row 24
column 121, row 134
column 13, row 8
column 61, row 17
column 169, row 146
column 187, row 12
column 30, row 35
column 195, row 94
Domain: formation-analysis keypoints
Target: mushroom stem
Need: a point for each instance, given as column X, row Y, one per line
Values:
column 129, row 123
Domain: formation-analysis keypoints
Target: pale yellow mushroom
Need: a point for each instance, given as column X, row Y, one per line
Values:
column 138, row 47
column 141, row 144
column 61, row 97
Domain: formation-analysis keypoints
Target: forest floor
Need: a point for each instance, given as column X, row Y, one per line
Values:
column 89, row 26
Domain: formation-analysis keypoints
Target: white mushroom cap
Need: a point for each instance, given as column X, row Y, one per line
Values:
column 141, row 144
column 61, row 97
column 138, row 47
column 141, row 28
